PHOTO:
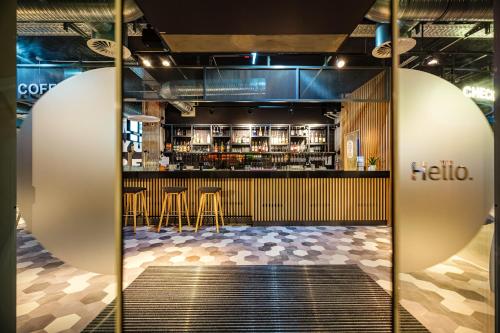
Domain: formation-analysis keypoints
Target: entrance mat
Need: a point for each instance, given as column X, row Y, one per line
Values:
column 323, row 298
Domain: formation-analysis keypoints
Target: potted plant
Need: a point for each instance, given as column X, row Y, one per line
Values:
column 372, row 163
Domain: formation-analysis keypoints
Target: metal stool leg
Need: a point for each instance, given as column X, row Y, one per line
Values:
column 186, row 208
column 145, row 208
column 216, row 213
column 200, row 212
column 179, row 210
column 126, row 208
column 134, row 207
column 163, row 206
column 218, row 196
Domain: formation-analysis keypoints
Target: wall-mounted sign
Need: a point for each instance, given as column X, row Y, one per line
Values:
column 34, row 89
column 480, row 93
column 443, row 178
column 351, row 149
column 33, row 82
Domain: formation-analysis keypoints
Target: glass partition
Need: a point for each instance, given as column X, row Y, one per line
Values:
column 67, row 165
column 444, row 168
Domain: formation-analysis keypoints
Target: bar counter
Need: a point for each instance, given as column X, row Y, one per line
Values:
column 280, row 197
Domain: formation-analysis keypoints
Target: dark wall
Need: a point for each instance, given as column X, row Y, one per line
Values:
column 246, row 115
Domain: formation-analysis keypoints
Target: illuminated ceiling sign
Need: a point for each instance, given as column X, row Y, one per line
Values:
column 481, row 93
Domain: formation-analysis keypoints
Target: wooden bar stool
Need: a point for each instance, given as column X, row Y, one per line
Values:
column 215, row 194
column 131, row 197
column 168, row 194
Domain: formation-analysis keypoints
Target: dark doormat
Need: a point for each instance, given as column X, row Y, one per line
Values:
column 323, row 298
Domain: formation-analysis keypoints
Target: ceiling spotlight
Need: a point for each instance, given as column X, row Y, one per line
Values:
column 146, row 62
column 340, row 63
column 165, row 63
column 433, row 61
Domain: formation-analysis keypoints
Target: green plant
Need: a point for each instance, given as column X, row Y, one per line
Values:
column 372, row 160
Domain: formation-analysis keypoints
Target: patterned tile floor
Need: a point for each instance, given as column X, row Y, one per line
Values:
column 54, row 296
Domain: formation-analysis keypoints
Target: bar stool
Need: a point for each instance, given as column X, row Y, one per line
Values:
column 131, row 196
column 215, row 194
column 167, row 196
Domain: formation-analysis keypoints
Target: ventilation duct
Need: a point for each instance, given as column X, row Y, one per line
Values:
column 197, row 89
column 61, row 11
column 383, row 43
column 186, row 109
column 433, row 10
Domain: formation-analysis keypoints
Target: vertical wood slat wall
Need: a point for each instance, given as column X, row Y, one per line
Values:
column 284, row 199
column 371, row 119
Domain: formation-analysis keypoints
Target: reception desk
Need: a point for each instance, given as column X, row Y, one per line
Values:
column 275, row 197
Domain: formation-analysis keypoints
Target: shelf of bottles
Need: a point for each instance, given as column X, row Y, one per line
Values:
column 298, row 138
column 279, row 139
column 181, row 139
column 221, row 137
column 202, row 139
column 260, row 139
column 240, row 139
column 318, row 138
column 263, row 138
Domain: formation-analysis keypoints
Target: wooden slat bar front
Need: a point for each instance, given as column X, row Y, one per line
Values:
column 278, row 197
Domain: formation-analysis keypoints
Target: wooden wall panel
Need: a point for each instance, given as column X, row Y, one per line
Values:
column 284, row 199
column 371, row 119
column 320, row 199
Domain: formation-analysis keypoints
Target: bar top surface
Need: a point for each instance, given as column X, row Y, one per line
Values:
column 254, row 174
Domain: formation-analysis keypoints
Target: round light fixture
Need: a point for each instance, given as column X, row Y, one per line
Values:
column 165, row 63
column 432, row 61
column 146, row 62
column 340, row 62
column 144, row 118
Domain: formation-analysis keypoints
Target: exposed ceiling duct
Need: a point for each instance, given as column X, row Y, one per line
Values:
column 97, row 14
column 74, row 11
column 433, row 11
column 383, row 43
column 411, row 12
column 199, row 89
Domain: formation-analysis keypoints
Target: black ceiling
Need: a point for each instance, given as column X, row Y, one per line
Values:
column 257, row 17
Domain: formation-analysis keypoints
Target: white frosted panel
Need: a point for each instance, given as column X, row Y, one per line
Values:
column 74, row 170
column 25, row 192
column 438, row 212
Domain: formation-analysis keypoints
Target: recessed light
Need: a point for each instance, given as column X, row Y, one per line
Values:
column 146, row 62
column 165, row 63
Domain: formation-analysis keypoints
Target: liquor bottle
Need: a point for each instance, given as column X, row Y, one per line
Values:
column 260, row 131
column 216, row 148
